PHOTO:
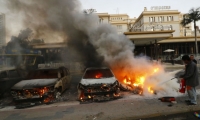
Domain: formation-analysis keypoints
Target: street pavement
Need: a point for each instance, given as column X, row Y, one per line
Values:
column 179, row 116
column 122, row 109
column 130, row 107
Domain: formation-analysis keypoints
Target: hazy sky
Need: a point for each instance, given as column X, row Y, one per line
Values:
column 134, row 7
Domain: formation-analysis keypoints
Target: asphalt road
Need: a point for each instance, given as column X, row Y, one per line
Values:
column 180, row 116
column 127, row 108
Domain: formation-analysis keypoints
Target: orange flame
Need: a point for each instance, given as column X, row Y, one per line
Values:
column 150, row 90
column 137, row 79
column 156, row 70
column 98, row 75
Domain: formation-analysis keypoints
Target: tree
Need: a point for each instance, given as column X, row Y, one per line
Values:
column 20, row 42
column 192, row 16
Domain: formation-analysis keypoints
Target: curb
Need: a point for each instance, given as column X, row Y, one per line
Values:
column 194, row 109
column 12, row 108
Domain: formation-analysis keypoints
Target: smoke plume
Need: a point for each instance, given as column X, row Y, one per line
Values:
column 96, row 44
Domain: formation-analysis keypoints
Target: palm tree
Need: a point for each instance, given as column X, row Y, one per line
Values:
column 192, row 16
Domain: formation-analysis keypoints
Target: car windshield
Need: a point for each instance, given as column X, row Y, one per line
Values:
column 98, row 73
column 42, row 74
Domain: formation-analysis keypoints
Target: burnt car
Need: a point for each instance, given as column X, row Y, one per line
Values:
column 8, row 78
column 98, row 84
column 46, row 84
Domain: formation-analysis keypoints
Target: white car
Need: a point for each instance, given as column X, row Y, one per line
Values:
column 44, row 84
column 98, row 84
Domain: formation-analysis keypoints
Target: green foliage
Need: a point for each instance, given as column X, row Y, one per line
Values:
column 192, row 16
column 21, row 41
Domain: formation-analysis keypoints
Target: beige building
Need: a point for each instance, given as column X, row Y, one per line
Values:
column 155, row 30
column 119, row 21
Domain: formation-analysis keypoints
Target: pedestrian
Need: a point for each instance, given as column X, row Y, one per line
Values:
column 191, row 79
column 192, row 58
column 172, row 59
column 167, row 58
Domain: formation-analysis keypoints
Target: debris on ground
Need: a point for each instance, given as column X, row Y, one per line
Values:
column 167, row 99
column 95, row 117
column 196, row 114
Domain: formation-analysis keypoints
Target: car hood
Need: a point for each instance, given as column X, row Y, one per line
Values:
column 34, row 83
column 110, row 80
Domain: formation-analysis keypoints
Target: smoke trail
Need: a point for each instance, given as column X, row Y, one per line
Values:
column 17, row 45
column 96, row 44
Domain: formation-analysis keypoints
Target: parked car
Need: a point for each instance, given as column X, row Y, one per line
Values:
column 8, row 78
column 98, row 84
column 46, row 84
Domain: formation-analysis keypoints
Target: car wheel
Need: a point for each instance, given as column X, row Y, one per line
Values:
column 79, row 94
column 58, row 93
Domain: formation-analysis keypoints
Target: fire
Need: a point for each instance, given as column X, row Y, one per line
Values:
column 156, row 70
column 137, row 79
column 138, row 82
column 150, row 90
column 98, row 75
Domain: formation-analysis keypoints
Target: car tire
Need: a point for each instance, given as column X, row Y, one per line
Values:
column 79, row 94
column 57, row 93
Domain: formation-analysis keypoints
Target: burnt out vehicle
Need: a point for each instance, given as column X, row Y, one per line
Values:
column 98, row 84
column 8, row 78
column 46, row 84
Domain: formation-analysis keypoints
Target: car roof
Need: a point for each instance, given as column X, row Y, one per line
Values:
column 7, row 69
column 48, row 68
column 95, row 68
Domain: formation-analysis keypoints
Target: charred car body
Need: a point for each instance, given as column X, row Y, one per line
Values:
column 46, row 84
column 98, row 84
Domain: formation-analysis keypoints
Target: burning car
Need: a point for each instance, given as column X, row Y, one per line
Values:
column 98, row 84
column 46, row 84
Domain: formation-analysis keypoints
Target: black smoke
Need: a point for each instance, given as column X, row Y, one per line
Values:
column 63, row 21
column 19, row 43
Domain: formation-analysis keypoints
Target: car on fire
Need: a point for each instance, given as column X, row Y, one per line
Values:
column 98, row 84
column 8, row 78
column 46, row 84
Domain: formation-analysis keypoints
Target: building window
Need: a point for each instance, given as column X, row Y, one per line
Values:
column 100, row 20
column 170, row 28
column 160, row 19
column 170, row 18
column 151, row 19
column 119, row 27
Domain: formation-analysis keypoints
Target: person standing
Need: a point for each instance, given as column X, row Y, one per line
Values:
column 192, row 58
column 191, row 79
column 172, row 59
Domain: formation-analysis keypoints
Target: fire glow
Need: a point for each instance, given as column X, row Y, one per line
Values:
column 138, row 80
column 99, row 75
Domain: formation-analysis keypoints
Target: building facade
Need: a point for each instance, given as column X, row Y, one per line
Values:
column 2, row 30
column 154, row 31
